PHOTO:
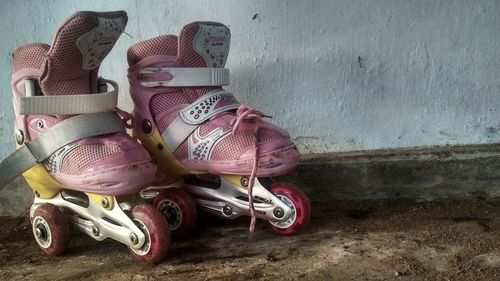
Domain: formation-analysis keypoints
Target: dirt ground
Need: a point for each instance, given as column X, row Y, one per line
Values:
column 360, row 240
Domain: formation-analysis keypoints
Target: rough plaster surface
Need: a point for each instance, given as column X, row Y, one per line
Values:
column 339, row 75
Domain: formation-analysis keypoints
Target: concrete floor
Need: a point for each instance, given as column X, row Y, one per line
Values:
column 347, row 240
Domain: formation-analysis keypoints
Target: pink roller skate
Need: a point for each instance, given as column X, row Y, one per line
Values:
column 72, row 146
column 195, row 130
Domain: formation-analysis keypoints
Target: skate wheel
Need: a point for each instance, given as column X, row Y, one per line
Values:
column 51, row 229
column 154, row 226
column 297, row 200
column 179, row 209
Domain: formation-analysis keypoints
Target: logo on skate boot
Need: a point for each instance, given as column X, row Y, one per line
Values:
column 212, row 43
column 54, row 163
column 201, row 147
column 215, row 41
column 96, row 44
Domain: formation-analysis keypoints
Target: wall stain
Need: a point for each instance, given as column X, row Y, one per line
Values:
column 360, row 62
column 493, row 130
column 447, row 134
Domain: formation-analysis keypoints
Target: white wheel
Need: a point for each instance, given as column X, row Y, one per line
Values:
column 147, row 242
column 51, row 229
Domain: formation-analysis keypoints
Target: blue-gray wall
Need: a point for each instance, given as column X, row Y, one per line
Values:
column 338, row 75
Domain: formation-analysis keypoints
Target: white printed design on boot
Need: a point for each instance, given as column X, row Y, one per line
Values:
column 97, row 43
column 54, row 162
column 212, row 43
column 200, row 148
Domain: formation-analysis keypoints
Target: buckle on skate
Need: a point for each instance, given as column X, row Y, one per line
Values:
column 199, row 111
column 61, row 134
column 209, row 105
column 183, row 77
column 67, row 104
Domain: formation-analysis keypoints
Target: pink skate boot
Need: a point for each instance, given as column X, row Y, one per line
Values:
column 192, row 126
column 72, row 146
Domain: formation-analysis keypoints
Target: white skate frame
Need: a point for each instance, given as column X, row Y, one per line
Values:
column 86, row 218
column 215, row 200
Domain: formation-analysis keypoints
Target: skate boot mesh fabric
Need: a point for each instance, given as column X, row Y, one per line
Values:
column 108, row 164
column 81, row 157
column 160, row 45
column 29, row 56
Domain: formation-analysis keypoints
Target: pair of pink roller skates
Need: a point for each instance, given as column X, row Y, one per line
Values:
column 207, row 149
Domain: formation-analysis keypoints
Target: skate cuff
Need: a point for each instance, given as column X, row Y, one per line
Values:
column 67, row 104
column 61, row 134
column 204, row 108
column 183, row 77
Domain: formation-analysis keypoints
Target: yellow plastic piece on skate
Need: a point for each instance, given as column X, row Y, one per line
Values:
column 236, row 180
column 100, row 199
column 42, row 182
column 160, row 152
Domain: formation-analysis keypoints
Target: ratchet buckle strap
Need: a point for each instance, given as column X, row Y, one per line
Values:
column 61, row 134
column 190, row 118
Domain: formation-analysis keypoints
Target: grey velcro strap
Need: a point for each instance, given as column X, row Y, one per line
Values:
column 177, row 132
column 61, row 134
column 209, row 105
column 199, row 111
column 183, row 76
column 68, row 104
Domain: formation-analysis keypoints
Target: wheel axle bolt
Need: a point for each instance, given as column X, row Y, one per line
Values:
column 105, row 202
column 278, row 212
column 19, row 137
column 95, row 230
column 227, row 210
column 134, row 239
column 39, row 232
column 244, row 181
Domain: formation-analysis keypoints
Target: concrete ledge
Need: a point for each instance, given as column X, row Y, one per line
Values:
column 422, row 174
column 15, row 198
column 425, row 173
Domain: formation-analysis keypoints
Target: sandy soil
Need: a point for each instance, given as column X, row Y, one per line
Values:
column 360, row 240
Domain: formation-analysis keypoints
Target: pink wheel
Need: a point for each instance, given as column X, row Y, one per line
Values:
column 51, row 229
column 301, row 209
column 179, row 209
column 155, row 228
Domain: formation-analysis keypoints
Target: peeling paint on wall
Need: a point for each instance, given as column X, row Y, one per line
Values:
column 338, row 75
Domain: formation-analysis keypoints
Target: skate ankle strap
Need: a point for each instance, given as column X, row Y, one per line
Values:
column 208, row 105
column 67, row 104
column 183, row 76
column 190, row 118
column 61, row 134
